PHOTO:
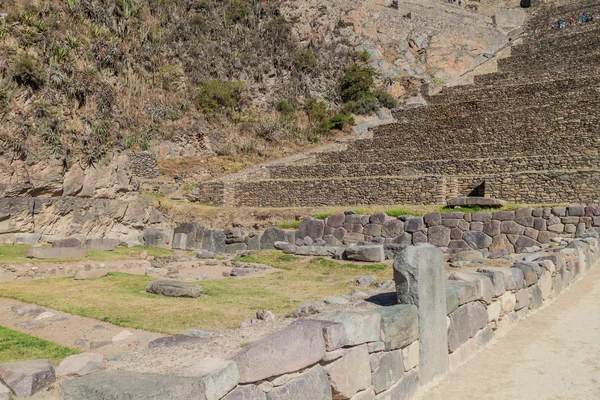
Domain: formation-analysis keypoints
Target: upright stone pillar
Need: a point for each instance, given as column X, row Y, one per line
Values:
column 420, row 280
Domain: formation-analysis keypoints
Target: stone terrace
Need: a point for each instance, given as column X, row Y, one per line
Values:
column 527, row 133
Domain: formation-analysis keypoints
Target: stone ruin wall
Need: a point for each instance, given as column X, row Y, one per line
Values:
column 143, row 164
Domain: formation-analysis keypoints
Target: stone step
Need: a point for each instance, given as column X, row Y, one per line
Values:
column 583, row 54
column 456, row 167
column 569, row 38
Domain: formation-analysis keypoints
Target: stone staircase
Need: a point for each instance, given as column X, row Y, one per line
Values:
column 528, row 133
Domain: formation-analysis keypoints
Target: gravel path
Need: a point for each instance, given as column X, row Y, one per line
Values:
column 553, row 355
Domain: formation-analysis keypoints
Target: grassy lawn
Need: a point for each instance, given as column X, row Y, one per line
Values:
column 17, row 346
column 14, row 254
column 121, row 298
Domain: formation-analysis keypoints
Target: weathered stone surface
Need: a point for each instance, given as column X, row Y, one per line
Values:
column 179, row 241
column 334, row 333
column 119, row 385
column 403, row 390
column 503, row 215
column 525, row 242
column 92, row 274
column 176, row 341
column 419, row 237
column 351, row 373
column 174, row 289
column 529, row 272
column 477, row 240
column 419, row 277
column 545, row 284
column 439, row 236
column 511, row 228
column 466, row 291
column 214, row 241
column 289, row 350
column 536, row 299
column 392, row 228
column 270, row 237
column 451, row 300
column 6, row 394
column 374, row 253
column 313, row 228
column 389, row 371
column 512, row 280
column 466, row 256
column 191, row 235
column 465, row 322
column 55, row 252
column 467, row 201
column 313, row 384
column 414, row 224
column 100, row 244
column 577, row 211
column 484, row 284
column 497, row 278
column 362, row 326
column 508, row 302
column 247, row 392
column 522, row 298
column 157, row 237
column 80, row 364
column 218, row 376
column 399, row 325
column 493, row 311
column 368, row 394
column 432, row 219
column 67, row 242
column 482, row 216
column 25, row 378
column 410, row 355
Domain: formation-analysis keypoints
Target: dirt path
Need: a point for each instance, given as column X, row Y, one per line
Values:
column 553, row 355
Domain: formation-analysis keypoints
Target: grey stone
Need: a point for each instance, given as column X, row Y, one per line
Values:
column 313, row 228
column 389, row 371
column 482, row 216
column 451, row 300
column 484, row 284
column 466, row 256
column 362, row 326
column 55, row 252
column 214, row 241
column 419, row 277
column 80, row 364
column 576, row 211
column 559, row 211
column 174, row 289
column 336, row 221
column 199, row 333
column 253, row 241
column 522, row 299
column 511, row 228
column 477, row 226
column 194, row 235
column 536, row 299
column 92, row 274
column 399, row 325
column 310, row 308
column 477, row 240
column 6, row 394
column 26, row 378
column 335, row 300
column 540, row 224
column 525, row 221
column 465, row 322
column 313, row 384
column 235, row 248
column 372, row 253
column 404, row 389
column 529, row 272
column 392, row 228
column 497, row 276
column 179, row 241
column 101, row 244
column 523, row 212
column 28, row 310
column 247, row 392
column 176, row 341
column 524, row 242
column 468, row 201
column 334, row 333
column 503, row 215
column 351, row 373
column 121, row 385
column 556, row 228
column 288, row 350
column 157, row 237
column 68, row 242
column 439, row 236
column 453, row 215
column 432, row 219
column 365, row 280
column 466, row 291
column 218, row 376
column 414, row 224
column 271, row 236
column 378, row 218
column 419, row 237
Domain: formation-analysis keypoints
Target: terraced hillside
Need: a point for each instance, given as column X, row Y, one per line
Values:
column 525, row 134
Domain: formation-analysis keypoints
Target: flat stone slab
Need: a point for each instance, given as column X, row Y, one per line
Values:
column 118, row 385
column 101, row 244
column 67, row 242
column 80, row 364
column 466, row 201
column 94, row 274
column 26, row 378
column 174, row 289
column 313, row 385
column 373, row 253
column 219, row 376
column 176, row 341
column 55, row 252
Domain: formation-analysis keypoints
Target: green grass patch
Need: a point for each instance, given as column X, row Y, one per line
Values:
column 15, row 254
column 289, row 224
column 324, row 215
column 121, row 298
column 396, row 212
column 17, row 346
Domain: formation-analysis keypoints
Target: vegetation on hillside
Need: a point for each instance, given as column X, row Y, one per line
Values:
column 80, row 78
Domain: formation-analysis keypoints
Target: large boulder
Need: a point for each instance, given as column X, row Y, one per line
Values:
column 214, row 241
column 291, row 349
column 26, row 378
column 312, row 228
column 194, row 235
column 80, row 364
column 271, row 236
column 369, row 253
column 174, row 289
column 120, row 385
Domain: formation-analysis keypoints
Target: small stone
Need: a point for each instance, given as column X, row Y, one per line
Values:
column 121, row 336
column 80, row 364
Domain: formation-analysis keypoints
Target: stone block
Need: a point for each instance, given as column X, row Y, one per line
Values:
column 530, row 272
column 26, row 378
column 372, row 230
column 218, row 376
column 576, row 211
column 336, row 221
column 410, row 355
column 174, row 289
column 492, row 227
column 419, row 277
column 476, row 226
column 179, row 241
column 545, row 237
column 334, row 333
column 494, row 310
column 522, row 298
column 524, row 242
column 194, row 235
column 511, row 228
column 132, row 386
column 459, row 245
column 92, row 274
column 374, row 253
column 463, row 354
column 313, row 384
column 392, row 228
column 55, row 253
column 389, row 371
column 465, row 322
column 531, row 233
column 419, row 237
column 291, row 349
column 80, row 364
column 559, row 211
column 362, row 326
column 466, row 291
column 171, row 341
column 405, row 389
column 556, row 228
column 313, row 228
column 414, row 224
column 247, row 392
column 508, row 301
column 351, row 373
column 503, row 215
column 101, row 244
column 432, row 219
column 214, row 241
column 484, row 284
column 68, row 242
column 270, row 236
column 466, row 256
column 368, row 394
column 399, row 325
column 157, row 237
column 482, row 216
column 455, row 234
column 474, row 201
column 477, row 240
column 451, row 300
column 536, row 299
column 6, row 394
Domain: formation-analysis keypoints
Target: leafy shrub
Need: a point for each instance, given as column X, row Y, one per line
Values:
column 356, row 82
column 278, row 31
column 385, row 99
column 340, row 121
column 364, row 56
column 306, row 61
column 316, row 110
column 26, row 73
column 220, row 95
column 268, row 129
column 285, row 108
column 238, row 13
column 365, row 105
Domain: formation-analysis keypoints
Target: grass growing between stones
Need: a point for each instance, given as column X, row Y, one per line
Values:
column 14, row 254
column 121, row 298
column 17, row 346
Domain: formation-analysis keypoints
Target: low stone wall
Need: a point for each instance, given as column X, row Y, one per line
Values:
column 143, row 164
